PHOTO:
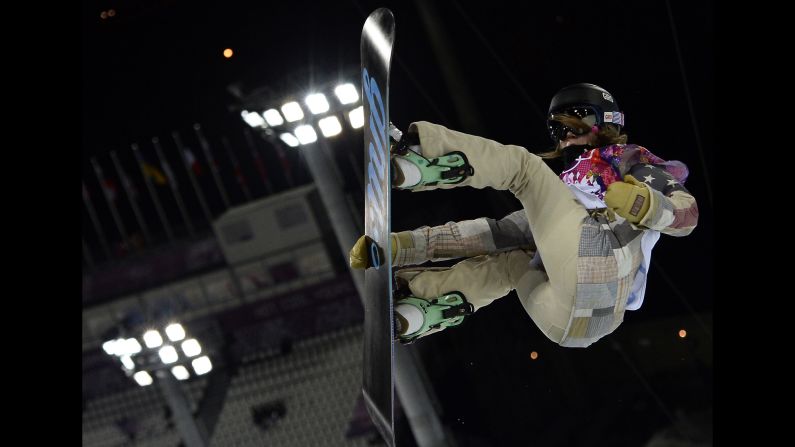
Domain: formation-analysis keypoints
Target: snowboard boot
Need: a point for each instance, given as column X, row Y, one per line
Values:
column 414, row 317
column 410, row 169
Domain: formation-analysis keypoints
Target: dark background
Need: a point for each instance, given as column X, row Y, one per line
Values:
column 157, row 66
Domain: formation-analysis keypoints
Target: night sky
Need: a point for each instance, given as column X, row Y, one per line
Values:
column 157, row 66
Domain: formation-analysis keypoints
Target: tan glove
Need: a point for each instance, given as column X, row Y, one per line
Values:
column 359, row 256
column 630, row 199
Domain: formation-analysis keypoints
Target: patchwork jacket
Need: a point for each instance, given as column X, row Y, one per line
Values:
column 611, row 267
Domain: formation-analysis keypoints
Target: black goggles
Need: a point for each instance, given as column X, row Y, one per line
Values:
column 558, row 130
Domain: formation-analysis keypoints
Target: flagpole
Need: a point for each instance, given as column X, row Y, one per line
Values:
column 263, row 173
column 238, row 170
column 87, row 255
column 92, row 214
column 286, row 168
column 125, row 182
column 196, row 187
column 178, row 140
column 357, row 168
column 211, row 161
column 173, row 183
column 153, row 193
column 113, row 211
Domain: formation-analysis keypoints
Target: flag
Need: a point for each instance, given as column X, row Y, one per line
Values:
column 109, row 187
column 192, row 161
column 283, row 159
column 169, row 174
column 263, row 173
column 285, row 164
column 154, row 173
column 151, row 174
column 129, row 186
column 241, row 179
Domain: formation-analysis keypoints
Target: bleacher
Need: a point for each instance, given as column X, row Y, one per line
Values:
column 135, row 417
column 318, row 383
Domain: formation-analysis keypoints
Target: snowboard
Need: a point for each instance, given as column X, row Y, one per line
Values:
column 378, row 382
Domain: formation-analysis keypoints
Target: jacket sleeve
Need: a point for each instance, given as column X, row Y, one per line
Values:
column 673, row 210
column 466, row 238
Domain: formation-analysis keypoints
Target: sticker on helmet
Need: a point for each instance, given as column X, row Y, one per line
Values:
column 607, row 96
column 614, row 117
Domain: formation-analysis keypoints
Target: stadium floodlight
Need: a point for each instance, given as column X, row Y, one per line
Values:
column 109, row 347
column 191, row 347
column 273, row 117
column 292, row 112
column 168, row 354
column 180, row 372
column 175, row 332
column 131, row 346
column 126, row 360
column 346, row 93
column 317, row 103
column 356, row 116
column 153, row 339
column 330, row 126
column 118, row 347
column 289, row 139
column 202, row 365
column 253, row 119
column 145, row 368
column 306, row 134
column 143, row 378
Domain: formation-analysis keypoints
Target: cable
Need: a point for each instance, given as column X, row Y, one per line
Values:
column 689, row 101
column 502, row 65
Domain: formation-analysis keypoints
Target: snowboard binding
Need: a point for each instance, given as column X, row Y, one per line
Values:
column 410, row 169
column 448, row 310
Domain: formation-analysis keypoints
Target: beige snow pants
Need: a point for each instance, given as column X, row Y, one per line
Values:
column 555, row 218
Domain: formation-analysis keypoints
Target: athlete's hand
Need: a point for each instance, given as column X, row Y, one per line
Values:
column 359, row 256
column 629, row 199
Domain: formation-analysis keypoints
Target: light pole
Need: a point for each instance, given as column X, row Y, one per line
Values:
column 170, row 359
column 415, row 397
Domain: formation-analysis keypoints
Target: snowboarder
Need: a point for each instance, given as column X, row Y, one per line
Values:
column 578, row 252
